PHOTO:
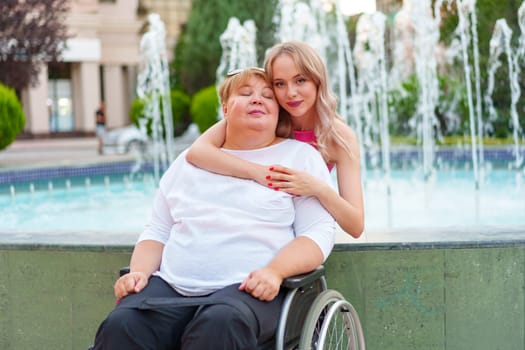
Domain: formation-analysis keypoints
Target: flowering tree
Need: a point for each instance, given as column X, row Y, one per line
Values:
column 31, row 32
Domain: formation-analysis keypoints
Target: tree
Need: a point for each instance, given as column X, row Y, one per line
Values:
column 31, row 32
column 198, row 51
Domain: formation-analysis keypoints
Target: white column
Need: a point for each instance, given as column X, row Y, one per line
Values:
column 34, row 101
column 115, row 91
column 86, row 87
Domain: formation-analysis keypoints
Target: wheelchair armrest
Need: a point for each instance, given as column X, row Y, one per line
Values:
column 291, row 282
column 301, row 280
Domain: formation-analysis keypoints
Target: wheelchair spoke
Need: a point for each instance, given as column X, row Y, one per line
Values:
column 333, row 324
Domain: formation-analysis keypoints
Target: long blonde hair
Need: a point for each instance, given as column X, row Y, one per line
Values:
column 311, row 65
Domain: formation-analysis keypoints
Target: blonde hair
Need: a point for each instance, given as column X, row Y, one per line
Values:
column 311, row 65
column 238, row 78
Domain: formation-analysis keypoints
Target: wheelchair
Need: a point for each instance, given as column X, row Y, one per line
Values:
column 313, row 317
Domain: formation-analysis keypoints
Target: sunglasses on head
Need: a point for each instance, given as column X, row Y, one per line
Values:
column 239, row 70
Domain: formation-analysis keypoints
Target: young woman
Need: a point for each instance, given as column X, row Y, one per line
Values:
column 308, row 113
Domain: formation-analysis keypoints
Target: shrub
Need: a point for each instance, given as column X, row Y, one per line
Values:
column 180, row 107
column 136, row 111
column 12, row 119
column 180, row 110
column 204, row 108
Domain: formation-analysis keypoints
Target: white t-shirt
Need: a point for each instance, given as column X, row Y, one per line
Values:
column 217, row 229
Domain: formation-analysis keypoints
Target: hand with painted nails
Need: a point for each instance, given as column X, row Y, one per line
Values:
column 259, row 173
column 294, row 182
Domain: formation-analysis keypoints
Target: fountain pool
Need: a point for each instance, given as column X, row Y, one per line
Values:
column 120, row 203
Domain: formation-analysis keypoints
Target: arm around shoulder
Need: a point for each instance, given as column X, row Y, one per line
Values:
column 205, row 153
column 208, row 143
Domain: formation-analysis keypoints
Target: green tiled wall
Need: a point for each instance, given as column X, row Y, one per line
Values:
column 453, row 299
column 420, row 299
column 54, row 299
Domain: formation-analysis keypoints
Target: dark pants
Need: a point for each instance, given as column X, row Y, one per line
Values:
column 131, row 325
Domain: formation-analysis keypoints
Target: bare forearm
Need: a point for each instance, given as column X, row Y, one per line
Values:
column 206, row 153
column 213, row 159
column 349, row 217
column 299, row 256
column 146, row 257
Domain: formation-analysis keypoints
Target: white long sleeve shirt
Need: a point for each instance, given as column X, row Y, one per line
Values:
column 217, row 229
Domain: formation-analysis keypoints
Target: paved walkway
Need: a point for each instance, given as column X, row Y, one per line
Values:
column 35, row 153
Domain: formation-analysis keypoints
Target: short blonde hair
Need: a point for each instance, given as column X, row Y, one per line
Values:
column 237, row 78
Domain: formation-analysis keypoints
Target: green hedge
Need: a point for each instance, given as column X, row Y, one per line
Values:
column 204, row 108
column 12, row 119
column 180, row 112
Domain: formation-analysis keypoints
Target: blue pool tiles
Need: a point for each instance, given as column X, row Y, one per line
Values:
column 398, row 155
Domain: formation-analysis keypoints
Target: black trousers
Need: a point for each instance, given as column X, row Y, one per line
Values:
column 138, row 322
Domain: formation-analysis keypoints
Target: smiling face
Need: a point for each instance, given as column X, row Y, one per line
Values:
column 294, row 91
column 251, row 113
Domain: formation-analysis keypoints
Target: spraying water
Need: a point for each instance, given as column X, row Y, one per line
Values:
column 357, row 81
column 372, row 89
column 303, row 21
column 154, row 88
column 501, row 43
column 238, row 47
column 372, row 86
column 346, row 76
column 467, row 41
column 426, row 37
column 520, row 54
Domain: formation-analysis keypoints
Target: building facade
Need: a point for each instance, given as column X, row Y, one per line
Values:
column 99, row 66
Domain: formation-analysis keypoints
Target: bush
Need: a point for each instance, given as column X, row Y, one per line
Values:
column 204, row 108
column 12, row 119
column 180, row 107
column 180, row 110
column 136, row 111
column 403, row 106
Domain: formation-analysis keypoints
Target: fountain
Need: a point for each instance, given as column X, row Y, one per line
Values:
column 500, row 43
column 154, row 88
column 365, row 72
column 442, row 265
column 238, row 49
column 361, row 78
column 372, row 89
column 466, row 10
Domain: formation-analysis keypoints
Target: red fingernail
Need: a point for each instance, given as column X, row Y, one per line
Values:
column 276, row 188
column 270, row 184
column 271, row 168
column 117, row 301
column 268, row 177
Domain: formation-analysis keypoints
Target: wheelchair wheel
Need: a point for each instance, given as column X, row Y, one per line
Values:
column 332, row 323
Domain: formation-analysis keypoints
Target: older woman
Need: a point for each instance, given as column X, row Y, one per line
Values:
column 224, row 238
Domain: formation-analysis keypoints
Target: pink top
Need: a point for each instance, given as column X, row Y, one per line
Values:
column 308, row 136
